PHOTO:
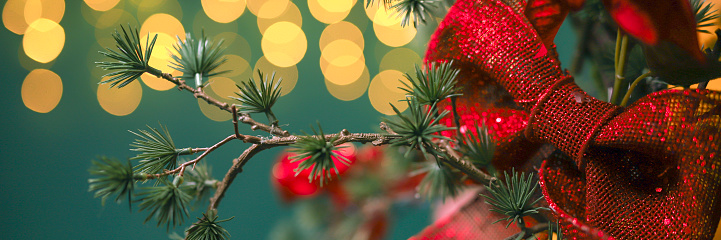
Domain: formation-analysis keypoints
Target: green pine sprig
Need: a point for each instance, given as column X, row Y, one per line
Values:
column 416, row 11
column 114, row 177
column 131, row 62
column 479, row 147
column 157, row 149
column 200, row 178
column 260, row 100
column 440, row 180
column 208, row 228
column 167, row 202
column 513, row 197
column 705, row 14
column 433, row 85
column 198, row 58
column 317, row 153
column 419, row 129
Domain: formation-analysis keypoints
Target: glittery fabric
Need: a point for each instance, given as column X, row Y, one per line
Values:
column 649, row 171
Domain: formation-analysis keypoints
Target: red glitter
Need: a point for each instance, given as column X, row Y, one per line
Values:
column 604, row 180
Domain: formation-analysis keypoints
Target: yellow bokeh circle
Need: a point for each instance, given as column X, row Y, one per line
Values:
column 101, row 5
column 267, row 8
column 387, row 27
column 288, row 74
column 203, row 24
column 223, row 11
column 394, row 35
column 383, row 90
column 351, row 91
column 342, row 62
column 19, row 14
column 284, row 44
column 44, row 40
column 120, row 101
column 160, row 59
column 41, row 90
column 147, row 8
column 223, row 87
column 341, row 30
column 237, row 67
column 163, row 23
column 401, row 59
column 291, row 14
column 330, row 11
column 109, row 22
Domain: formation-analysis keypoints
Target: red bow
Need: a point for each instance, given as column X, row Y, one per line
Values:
column 649, row 171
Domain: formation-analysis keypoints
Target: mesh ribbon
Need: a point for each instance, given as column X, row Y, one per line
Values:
column 649, row 171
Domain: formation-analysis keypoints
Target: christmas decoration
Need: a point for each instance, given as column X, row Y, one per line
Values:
column 648, row 171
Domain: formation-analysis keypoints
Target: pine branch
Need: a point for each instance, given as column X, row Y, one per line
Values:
column 198, row 58
column 419, row 129
column 433, row 85
column 208, row 228
column 199, row 93
column 131, row 62
column 513, row 198
column 705, row 14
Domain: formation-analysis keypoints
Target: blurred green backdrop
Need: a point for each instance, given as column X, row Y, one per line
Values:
column 45, row 156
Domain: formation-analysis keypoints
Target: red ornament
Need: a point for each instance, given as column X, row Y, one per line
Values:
column 604, row 179
column 292, row 186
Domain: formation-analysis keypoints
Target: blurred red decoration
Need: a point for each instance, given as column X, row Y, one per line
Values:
column 291, row 186
column 649, row 171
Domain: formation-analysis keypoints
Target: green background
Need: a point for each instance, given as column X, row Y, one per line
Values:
column 45, row 156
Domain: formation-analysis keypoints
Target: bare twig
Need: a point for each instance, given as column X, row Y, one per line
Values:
column 465, row 167
column 244, row 117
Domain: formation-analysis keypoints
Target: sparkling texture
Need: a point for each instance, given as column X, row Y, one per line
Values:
column 647, row 171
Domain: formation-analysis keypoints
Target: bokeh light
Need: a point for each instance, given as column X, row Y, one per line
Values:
column 290, row 14
column 168, row 29
column 120, row 101
column 163, row 23
column 284, row 44
column 44, row 40
column 383, row 90
column 14, row 16
column 110, row 21
column 387, row 27
column 223, row 87
column 19, row 14
column 351, row 91
column 341, row 30
column 288, row 74
column 148, row 8
column 29, row 64
column 160, row 59
column 211, row 111
column 223, row 11
column 235, row 44
column 330, row 11
column 203, row 24
column 267, row 8
column 101, row 5
column 401, row 59
column 238, row 68
column 41, row 90
column 342, row 62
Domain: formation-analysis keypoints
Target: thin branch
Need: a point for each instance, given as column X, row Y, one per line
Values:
column 243, row 117
column 234, row 170
column 624, row 102
column 528, row 232
column 465, row 167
